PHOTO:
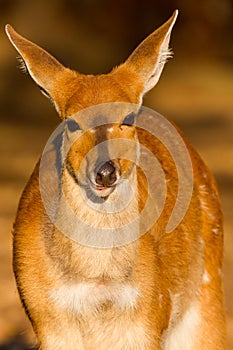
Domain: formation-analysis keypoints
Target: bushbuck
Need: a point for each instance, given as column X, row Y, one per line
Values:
column 88, row 278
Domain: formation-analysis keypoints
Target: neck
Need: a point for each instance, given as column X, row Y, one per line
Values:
column 100, row 224
column 89, row 227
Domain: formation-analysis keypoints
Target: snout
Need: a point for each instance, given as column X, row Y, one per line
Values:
column 105, row 177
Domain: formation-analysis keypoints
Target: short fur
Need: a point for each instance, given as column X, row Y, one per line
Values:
column 162, row 291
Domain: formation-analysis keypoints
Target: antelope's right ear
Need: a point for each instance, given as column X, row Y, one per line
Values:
column 44, row 69
column 148, row 59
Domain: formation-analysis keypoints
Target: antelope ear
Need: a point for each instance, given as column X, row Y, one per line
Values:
column 148, row 59
column 44, row 69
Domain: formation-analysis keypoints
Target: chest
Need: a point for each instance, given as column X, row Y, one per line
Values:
column 88, row 298
column 118, row 327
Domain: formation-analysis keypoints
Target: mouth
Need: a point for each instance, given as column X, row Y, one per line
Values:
column 101, row 191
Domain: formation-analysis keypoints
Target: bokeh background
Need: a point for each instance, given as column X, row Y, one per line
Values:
column 195, row 91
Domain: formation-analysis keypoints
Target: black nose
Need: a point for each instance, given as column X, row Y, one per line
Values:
column 106, row 174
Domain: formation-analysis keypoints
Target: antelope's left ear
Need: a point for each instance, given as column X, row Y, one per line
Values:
column 47, row 72
column 148, row 59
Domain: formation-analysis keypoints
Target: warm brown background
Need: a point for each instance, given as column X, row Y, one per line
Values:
column 196, row 91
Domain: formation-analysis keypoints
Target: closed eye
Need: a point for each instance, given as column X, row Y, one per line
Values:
column 129, row 119
column 72, row 125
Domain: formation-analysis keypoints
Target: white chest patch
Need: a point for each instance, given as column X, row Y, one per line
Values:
column 184, row 334
column 85, row 298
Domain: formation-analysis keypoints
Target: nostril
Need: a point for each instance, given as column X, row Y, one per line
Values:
column 106, row 175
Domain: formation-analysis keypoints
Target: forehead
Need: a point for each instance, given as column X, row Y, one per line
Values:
column 88, row 91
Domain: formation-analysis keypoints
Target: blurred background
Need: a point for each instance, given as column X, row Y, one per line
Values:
column 92, row 36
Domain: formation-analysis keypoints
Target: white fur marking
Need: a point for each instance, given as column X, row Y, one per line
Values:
column 205, row 206
column 206, row 278
column 183, row 335
column 87, row 297
column 204, row 174
column 215, row 230
column 203, row 189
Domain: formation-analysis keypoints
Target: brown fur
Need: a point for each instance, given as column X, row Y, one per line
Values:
column 166, row 270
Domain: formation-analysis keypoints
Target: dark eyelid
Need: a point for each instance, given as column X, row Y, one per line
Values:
column 72, row 125
column 129, row 119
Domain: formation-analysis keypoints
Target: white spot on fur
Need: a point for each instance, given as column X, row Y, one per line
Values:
column 183, row 335
column 203, row 189
column 205, row 206
column 110, row 129
column 215, row 230
column 206, row 278
column 204, row 174
column 87, row 297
